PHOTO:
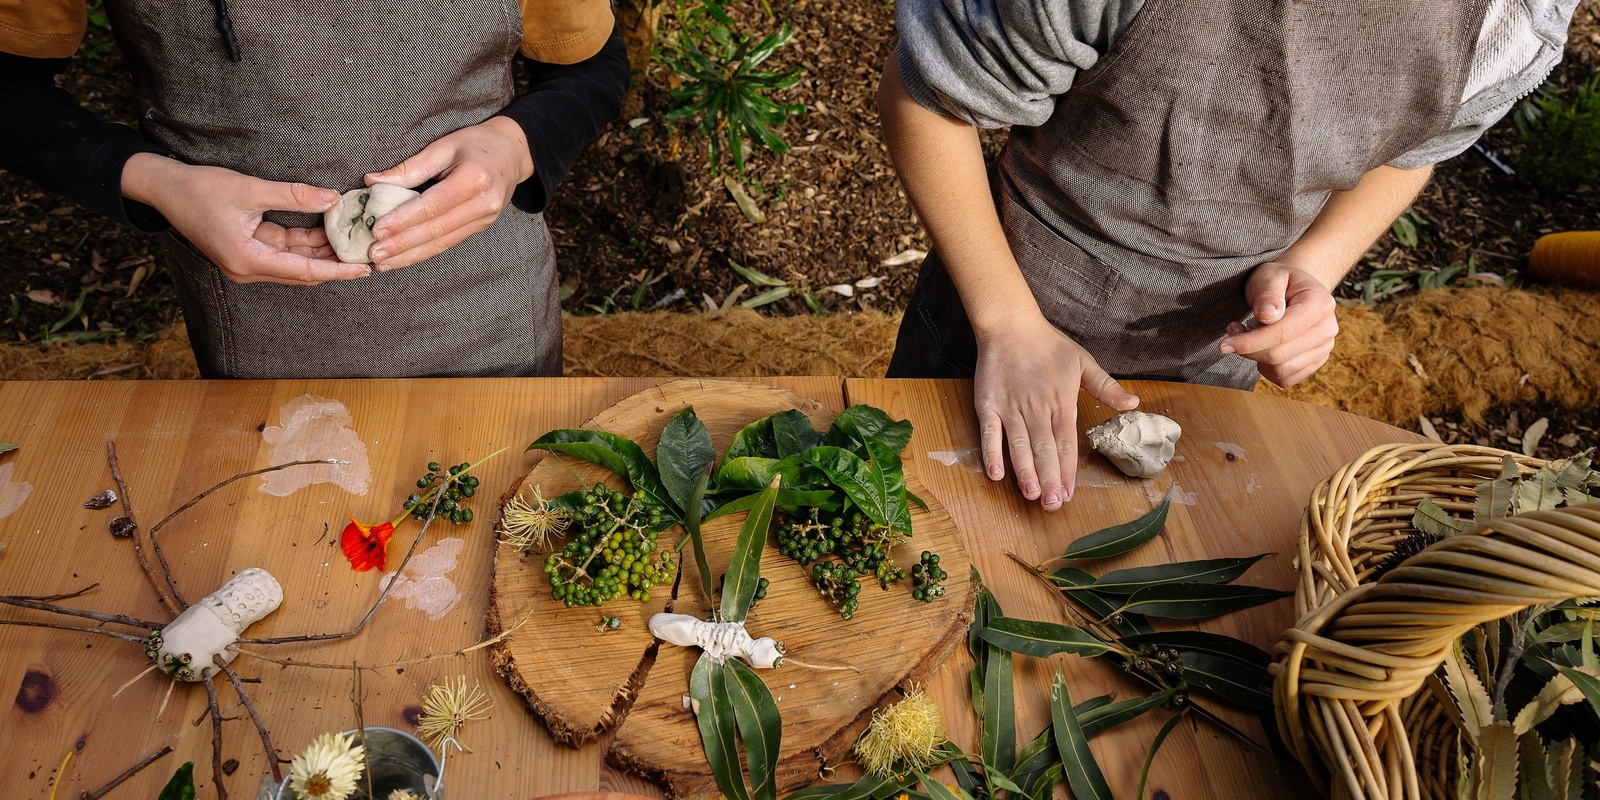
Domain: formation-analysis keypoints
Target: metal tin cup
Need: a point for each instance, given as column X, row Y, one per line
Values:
column 398, row 760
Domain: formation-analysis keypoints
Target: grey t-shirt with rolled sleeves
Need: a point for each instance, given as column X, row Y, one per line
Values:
column 995, row 63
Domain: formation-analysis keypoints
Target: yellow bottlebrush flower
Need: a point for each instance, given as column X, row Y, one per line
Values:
column 447, row 707
column 328, row 769
column 903, row 737
column 525, row 525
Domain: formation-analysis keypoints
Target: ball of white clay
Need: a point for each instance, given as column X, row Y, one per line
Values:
column 349, row 224
column 1139, row 443
column 208, row 628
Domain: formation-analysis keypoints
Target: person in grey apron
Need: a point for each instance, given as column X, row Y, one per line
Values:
column 272, row 109
column 1217, row 167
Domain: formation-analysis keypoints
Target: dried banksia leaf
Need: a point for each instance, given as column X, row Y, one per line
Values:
column 1411, row 545
column 903, row 738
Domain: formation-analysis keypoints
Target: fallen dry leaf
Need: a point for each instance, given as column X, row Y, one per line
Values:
column 908, row 256
column 747, row 204
column 1428, row 430
column 872, row 282
column 44, row 296
column 1416, row 366
column 1531, row 437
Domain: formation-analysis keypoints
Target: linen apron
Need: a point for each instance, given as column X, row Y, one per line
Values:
column 325, row 93
column 1202, row 145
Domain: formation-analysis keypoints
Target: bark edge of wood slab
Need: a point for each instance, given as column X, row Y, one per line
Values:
column 582, row 683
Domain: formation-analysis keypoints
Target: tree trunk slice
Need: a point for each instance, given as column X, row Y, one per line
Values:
column 582, row 682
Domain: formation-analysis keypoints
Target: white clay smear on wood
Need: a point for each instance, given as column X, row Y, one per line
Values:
column 12, row 492
column 311, row 427
column 423, row 585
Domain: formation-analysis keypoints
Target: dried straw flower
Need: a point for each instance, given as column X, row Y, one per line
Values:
column 902, row 738
column 328, row 769
column 447, row 707
column 403, row 794
column 526, row 525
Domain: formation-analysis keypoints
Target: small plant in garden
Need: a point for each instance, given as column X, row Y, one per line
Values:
column 722, row 86
column 1560, row 138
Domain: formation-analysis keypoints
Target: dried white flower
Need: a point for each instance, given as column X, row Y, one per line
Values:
column 327, row 769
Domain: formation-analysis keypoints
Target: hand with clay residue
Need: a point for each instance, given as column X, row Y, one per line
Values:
column 478, row 168
column 1026, row 395
column 1298, row 325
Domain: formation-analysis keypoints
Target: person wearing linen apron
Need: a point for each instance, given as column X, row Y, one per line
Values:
column 1184, row 184
column 253, row 117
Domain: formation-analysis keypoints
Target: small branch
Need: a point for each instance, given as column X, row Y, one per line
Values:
column 216, row 739
column 261, row 728
column 28, row 602
column 166, row 569
column 1513, row 655
column 361, row 726
column 787, row 661
column 138, row 549
column 46, row 598
column 287, row 662
column 139, row 640
column 117, row 781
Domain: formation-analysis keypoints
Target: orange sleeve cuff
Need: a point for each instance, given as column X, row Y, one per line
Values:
column 43, row 28
column 565, row 31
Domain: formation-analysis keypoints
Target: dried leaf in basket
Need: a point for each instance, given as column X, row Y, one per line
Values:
column 1431, row 519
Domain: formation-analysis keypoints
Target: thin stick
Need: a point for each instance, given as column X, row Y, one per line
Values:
column 138, row 549
column 287, row 662
column 261, row 728
column 133, row 770
column 382, row 595
column 165, row 698
column 821, row 667
column 132, row 681
column 155, row 545
column 361, row 725
column 46, row 598
column 27, row 602
column 139, row 640
column 216, row 739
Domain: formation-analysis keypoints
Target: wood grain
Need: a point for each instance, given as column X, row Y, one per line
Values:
column 583, row 682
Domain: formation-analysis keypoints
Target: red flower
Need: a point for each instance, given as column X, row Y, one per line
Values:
column 364, row 544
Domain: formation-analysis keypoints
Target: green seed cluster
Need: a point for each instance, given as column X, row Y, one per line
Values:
column 461, row 487
column 612, row 551
column 844, row 549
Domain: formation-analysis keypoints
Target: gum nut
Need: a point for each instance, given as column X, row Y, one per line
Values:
column 1139, row 443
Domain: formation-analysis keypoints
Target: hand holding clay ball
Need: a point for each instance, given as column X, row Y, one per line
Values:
column 349, row 224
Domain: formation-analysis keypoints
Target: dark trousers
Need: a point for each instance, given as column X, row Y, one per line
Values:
column 935, row 339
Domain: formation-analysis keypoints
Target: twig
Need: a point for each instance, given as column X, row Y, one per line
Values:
column 216, row 739
column 1508, row 664
column 820, row 667
column 155, row 545
column 132, row 681
column 139, row 640
column 46, row 598
column 361, row 725
column 138, row 549
column 28, row 602
column 133, row 770
column 287, row 662
column 382, row 595
column 261, row 728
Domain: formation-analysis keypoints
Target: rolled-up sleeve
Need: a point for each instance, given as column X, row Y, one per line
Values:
column 995, row 63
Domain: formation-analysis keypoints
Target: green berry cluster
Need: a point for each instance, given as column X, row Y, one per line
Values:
column 459, row 486
column 612, row 551
column 844, row 549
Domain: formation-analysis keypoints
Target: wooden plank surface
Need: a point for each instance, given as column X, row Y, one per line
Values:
column 1224, row 506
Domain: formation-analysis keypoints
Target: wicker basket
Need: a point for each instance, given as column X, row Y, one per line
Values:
column 1355, row 692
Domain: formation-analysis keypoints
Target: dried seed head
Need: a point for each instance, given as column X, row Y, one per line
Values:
column 526, row 525
column 903, row 737
column 449, row 706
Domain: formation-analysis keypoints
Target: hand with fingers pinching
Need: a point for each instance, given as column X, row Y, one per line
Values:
column 1297, row 323
column 1025, row 392
column 478, row 168
column 220, row 212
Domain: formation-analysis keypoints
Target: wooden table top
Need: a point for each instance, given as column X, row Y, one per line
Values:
column 175, row 439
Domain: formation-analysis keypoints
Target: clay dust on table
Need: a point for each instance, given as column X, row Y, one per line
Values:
column 310, row 428
column 424, row 585
column 12, row 492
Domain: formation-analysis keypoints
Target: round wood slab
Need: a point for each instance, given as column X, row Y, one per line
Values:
column 583, row 682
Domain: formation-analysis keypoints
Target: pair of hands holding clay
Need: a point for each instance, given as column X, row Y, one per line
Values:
column 220, row 211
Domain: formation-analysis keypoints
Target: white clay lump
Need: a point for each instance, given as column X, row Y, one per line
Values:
column 349, row 224
column 1138, row 443
column 720, row 640
column 210, row 627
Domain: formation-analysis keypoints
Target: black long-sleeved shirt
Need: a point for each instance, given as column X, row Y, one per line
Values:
column 46, row 136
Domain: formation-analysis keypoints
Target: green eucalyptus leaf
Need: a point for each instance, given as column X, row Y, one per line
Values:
column 920, row 503
column 792, row 433
column 1042, row 639
column 985, row 607
column 1003, row 783
column 967, row 775
column 718, row 727
column 1043, row 787
column 1119, row 539
column 1155, row 747
column 181, row 785
column 1103, row 718
column 1082, row 771
column 744, row 570
column 1203, row 642
column 1216, row 570
column 869, row 786
column 1197, row 600
column 6, row 447
column 691, row 526
column 1038, row 755
column 1228, row 679
column 754, row 473
column 998, row 740
column 939, row 791
column 1076, row 583
column 616, row 453
column 760, row 726
column 792, row 502
column 754, row 277
column 683, row 455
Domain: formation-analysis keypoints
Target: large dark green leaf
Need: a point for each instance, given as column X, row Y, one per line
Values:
column 181, row 785
column 1155, row 747
column 858, row 423
column 1202, row 642
column 1215, row 570
column 968, row 777
column 792, row 433
column 939, row 791
column 1041, row 639
column 1037, row 756
column 618, row 454
column 718, row 729
column 1103, row 718
column 1228, row 679
column 856, row 478
column 888, row 474
column 691, row 526
column 1075, row 584
column 744, row 571
column 1119, row 539
column 1082, row 772
column 790, row 501
column 760, row 726
column 752, row 474
column 868, row 786
column 752, row 441
column 984, row 608
column 683, row 455
column 998, row 742
column 1043, row 786
column 1197, row 600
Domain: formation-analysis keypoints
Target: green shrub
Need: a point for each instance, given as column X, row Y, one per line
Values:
column 1560, row 149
